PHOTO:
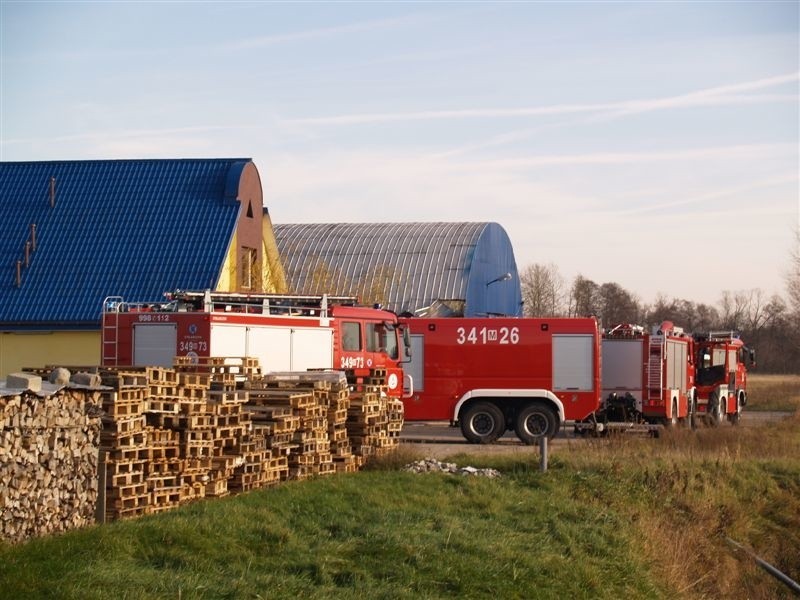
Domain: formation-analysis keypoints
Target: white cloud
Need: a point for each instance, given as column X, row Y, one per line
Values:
column 706, row 97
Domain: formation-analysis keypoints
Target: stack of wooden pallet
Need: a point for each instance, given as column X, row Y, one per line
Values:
column 374, row 419
column 124, row 444
column 294, row 409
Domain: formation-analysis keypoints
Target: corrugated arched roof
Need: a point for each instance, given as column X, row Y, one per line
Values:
column 405, row 265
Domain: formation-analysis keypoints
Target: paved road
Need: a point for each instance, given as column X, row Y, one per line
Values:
column 437, row 439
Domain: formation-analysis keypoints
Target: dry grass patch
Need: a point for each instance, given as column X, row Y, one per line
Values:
column 773, row 392
column 686, row 492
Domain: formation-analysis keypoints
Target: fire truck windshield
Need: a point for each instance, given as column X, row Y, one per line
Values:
column 381, row 337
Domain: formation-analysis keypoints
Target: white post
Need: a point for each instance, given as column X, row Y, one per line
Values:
column 543, row 453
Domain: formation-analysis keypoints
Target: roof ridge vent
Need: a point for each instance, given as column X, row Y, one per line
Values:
column 30, row 246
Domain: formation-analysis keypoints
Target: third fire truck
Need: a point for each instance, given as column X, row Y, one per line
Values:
column 648, row 376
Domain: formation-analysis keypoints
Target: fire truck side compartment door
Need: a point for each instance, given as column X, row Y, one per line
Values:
column 270, row 345
column 312, row 349
column 228, row 340
column 416, row 366
column 154, row 344
column 622, row 367
column 573, row 362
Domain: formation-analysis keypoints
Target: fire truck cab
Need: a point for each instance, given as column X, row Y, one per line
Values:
column 721, row 375
column 285, row 332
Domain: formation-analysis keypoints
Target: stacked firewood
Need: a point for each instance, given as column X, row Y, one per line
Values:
column 48, row 459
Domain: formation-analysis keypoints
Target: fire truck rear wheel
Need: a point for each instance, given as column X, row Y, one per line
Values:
column 717, row 409
column 482, row 423
column 535, row 421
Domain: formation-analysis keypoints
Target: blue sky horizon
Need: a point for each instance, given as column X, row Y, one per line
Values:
column 651, row 144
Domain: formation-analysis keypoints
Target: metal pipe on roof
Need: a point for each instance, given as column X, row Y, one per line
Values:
column 33, row 237
column 52, row 192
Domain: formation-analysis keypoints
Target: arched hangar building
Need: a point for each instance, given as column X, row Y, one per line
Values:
column 445, row 269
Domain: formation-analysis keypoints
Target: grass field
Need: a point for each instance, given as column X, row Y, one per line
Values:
column 612, row 518
column 773, row 392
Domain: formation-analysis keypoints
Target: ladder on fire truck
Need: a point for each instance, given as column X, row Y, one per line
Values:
column 110, row 329
column 267, row 304
column 655, row 372
column 721, row 336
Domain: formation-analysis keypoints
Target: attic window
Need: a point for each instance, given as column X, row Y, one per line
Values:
column 249, row 267
column 250, row 209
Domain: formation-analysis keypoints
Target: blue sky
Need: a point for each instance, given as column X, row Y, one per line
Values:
column 652, row 144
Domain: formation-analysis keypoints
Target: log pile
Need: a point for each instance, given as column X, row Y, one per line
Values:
column 48, row 461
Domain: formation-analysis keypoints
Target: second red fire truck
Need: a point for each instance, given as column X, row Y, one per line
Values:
column 489, row 375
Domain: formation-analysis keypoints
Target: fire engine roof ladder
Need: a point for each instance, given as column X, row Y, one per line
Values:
column 267, row 302
column 722, row 336
column 655, row 371
column 110, row 333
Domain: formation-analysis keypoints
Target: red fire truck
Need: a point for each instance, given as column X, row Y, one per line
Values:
column 721, row 375
column 286, row 333
column 648, row 377
column 489, row 375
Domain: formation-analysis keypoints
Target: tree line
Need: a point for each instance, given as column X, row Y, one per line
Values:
column 771, row 325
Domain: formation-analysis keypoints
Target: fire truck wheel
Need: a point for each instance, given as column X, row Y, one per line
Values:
column 482, row 423
column 717, row 409
column 673, row 420
column 535, row 421
column 741, row 401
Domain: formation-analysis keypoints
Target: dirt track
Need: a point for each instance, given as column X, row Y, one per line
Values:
column 437, row 440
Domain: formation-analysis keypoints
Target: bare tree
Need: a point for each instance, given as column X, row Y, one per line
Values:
column 691, row 316
column 617, row 305
column 793, row 278
column 583, row 298
column 735, row 308
column 542, row 290
column 321, row 278
column 375, row 286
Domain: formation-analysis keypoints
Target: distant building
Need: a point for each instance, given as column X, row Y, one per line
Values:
column 75, row 232
column 435, row 268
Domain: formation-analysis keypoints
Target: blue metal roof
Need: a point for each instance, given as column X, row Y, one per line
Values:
column 134, row 228
column 414, row 264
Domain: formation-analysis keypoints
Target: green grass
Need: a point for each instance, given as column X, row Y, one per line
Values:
column 773, row 392
column 374, row 534
column 612, row 518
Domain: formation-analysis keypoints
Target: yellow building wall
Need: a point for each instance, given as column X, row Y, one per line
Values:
column 272, row 267
column 228, row 275
column 57, row 348
column 273, row 277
